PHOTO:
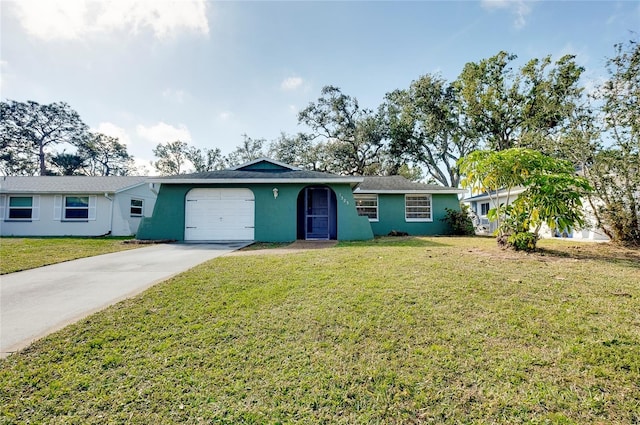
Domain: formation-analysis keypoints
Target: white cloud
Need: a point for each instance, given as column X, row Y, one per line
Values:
column 74, row 19
column 520, row 8
column 291, row 83
column 113, row 130
column 163, row 133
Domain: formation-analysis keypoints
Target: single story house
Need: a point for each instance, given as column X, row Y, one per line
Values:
column 479, row 206
column 266, row 200
column 73, row 205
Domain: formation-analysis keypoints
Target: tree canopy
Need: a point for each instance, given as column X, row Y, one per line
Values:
column 30, row 133
column 29, row 130
column 552, row 196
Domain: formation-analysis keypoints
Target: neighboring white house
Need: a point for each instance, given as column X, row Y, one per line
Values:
column 479, row 206
column 74, row 205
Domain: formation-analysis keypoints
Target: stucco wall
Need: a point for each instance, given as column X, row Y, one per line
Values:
column 47, row 225
column 275, row 218
column 123, row 224
column 114, row 218
column 391, row 215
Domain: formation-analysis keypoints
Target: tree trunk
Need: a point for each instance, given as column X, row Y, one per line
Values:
column 43, row 168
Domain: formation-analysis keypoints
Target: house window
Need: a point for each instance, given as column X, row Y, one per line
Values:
column 137, row 207
column 367, row 205
column 484, row 208
column 417, row 207
column 20, row 208
column 76, row 208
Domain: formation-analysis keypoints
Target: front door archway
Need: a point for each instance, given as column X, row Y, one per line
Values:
column 317, row 213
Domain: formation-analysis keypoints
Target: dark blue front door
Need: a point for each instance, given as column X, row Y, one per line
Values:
column 317, row 216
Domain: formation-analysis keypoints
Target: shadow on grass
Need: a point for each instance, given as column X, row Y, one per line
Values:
column 607, row 252
column 395, row 241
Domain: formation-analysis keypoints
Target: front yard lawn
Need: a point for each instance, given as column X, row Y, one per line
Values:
column 419, row 330
column 27, row 253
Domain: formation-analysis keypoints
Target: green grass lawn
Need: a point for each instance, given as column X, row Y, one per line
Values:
column 425, row 330
column 27, row 253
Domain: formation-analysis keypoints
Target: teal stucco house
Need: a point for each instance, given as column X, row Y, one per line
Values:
column 268, row 201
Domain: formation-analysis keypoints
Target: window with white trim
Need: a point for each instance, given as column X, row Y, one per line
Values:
column 484, row 208
column 23, row 208
column 417, row 207
column 76, row 207
column 137, row 207
column 367, row 205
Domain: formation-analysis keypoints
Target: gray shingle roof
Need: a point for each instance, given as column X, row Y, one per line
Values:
column 68, row 184
column 399, row 184
column 248, row 174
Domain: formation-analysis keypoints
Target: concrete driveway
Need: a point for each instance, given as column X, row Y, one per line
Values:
column 34, row 303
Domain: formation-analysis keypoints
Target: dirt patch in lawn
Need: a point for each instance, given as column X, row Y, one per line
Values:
column 608, row 252
column 278, row 249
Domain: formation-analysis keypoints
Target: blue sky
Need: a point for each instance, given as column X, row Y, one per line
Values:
column 207, row 72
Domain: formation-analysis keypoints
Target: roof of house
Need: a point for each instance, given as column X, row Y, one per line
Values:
column 261, row 170
column 265, row 170
column 68, row 184
column 485, row 196
column 399, row 184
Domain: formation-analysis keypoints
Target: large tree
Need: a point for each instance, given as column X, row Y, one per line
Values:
column 105, row 156
column 67, row 164
column 28, row 130
column 519, row 108
column 172, row 156
column 295, row 150
column 247, row 151
column 426, row 127
column 205, row 159
column 615, row 169
column 353, row 137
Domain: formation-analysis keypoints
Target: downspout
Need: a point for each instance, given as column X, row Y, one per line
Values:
column 106, row 195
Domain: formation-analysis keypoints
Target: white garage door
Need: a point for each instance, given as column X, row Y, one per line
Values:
column 219, row 215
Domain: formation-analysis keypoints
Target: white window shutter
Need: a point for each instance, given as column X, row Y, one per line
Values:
column 92, row 207
column 3, row 200
column 35, row 207
column 57, row 207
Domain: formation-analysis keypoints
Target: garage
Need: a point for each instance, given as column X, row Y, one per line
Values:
column 213, row 214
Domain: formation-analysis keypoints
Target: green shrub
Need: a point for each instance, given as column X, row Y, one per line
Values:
column 522, row 241
column 459, row 221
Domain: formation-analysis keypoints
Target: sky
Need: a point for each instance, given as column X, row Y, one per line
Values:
column 207, row 72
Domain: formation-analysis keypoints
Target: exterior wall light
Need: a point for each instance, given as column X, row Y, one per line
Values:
column 275, row 193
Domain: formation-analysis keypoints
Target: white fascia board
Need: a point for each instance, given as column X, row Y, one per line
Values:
column 55, row 192
column 350, row 180
column 420, row 191
column 501, row 194
column 122, row 189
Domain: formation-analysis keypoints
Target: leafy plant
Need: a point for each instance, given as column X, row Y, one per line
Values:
column 459, row 221
column 522, row 241
column 552, row 196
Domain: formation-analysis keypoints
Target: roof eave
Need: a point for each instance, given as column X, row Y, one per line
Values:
column 58, row 192
column 350, row 180
column 412, row 191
